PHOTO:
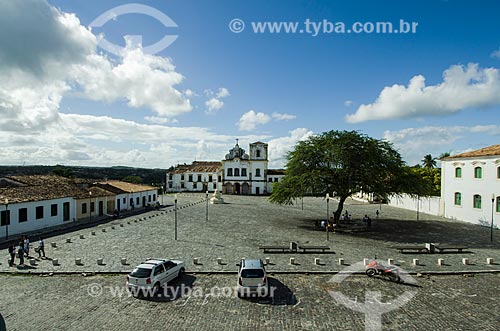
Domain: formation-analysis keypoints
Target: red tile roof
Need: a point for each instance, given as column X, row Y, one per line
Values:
column 486, row 151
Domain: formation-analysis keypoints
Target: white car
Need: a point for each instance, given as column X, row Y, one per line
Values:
column 150, row 276
column 252, row 279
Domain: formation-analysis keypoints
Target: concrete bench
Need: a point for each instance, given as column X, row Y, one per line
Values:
column 283, row 249
column 314, row 248
column 418, row 249
column 442, row 248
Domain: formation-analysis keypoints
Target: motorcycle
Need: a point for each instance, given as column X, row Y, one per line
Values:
column 375, row 268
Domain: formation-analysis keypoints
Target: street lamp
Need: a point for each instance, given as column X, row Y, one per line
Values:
column 492, row 208
column 162, row 192
column 206, row 217
column 175, row 209
column 90, row 204
column 327, row 215
column 7, row 219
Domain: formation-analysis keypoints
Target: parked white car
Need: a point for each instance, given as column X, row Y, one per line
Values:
column 150, row 276
column 252, row 279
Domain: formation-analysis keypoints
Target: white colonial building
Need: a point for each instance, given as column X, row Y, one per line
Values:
column 470, row 186
column 238, row 173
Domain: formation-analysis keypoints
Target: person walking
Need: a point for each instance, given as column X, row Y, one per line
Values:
column 41, row 247
column 12, row 253
column 27, row 246
column 20, row 253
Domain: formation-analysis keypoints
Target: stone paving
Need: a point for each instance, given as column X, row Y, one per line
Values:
column 237, row 228
column 301, row 302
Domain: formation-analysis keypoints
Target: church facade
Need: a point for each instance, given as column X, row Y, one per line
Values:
column 239, row 173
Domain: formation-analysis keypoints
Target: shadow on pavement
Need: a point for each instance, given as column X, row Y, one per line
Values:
column 3, row 327
column 280, row 295
column 424, row 231
column 175, row 290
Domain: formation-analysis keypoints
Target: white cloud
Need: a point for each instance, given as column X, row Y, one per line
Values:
column 496, row 54
column 283, row 117
column 144, row 80
column 279, row 147
column 414, row 143
column 213, row 105
column 348, row 103
column 251, row 119
column 462, row 87
column 160, row 120
column 189, row 93
column 222, row 93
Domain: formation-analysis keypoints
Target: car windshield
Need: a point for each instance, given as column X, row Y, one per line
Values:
column 140, row 273
column 252, row 273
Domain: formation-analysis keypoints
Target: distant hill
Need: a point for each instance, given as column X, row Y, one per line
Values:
column 147, row 176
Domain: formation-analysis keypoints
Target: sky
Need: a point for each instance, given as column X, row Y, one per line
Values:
column 156, row 83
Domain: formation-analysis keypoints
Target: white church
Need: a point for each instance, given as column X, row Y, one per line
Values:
column 239, row 173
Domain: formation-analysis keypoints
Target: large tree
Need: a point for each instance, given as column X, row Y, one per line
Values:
column 345, row 162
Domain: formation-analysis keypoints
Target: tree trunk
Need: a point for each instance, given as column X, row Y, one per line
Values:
column 338, row 212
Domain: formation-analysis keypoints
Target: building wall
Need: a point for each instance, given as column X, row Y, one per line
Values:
column 468, row 186
column 80, row 214
column 428, row 205
column 32, row 223
column 180, row 184
column 139, row 200
column 271, row 179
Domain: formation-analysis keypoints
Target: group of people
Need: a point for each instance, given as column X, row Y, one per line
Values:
column 332, row 224
column 22, row 250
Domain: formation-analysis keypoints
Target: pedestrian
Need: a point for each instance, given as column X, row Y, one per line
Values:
column 369, row 222
column 12, row 253
column 377, row 212
column 41, row 247
column 20, row 253
column 27, row 246
column 365, row 219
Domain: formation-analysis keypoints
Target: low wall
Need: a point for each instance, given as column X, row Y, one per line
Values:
column 428, row 205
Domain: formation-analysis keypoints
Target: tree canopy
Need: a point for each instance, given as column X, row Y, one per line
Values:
column 429, row 162
column 344, row 162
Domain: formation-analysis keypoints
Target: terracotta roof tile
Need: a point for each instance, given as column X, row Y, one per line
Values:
column 486, row 151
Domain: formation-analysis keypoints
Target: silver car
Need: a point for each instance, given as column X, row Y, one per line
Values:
column 150, row 276
column 252, row 279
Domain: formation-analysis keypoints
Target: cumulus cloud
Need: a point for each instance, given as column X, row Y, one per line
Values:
column 249, row 120
column 214, row 103
column 462, row 87
column 222, row 93
column 414, row 143
column 279, row 147
column 47, row 54
column 283, row 117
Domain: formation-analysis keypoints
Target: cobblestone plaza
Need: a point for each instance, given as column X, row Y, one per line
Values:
column 235, row 230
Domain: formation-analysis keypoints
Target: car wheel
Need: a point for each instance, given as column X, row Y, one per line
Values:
column 181, row 272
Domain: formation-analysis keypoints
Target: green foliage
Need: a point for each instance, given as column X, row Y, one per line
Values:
column 430, row 179
column 132, row 179
column 344, row 162
column 429, row 162
column 63, row 171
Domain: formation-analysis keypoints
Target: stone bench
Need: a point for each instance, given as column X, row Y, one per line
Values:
column 314, row 248
column 283, row 249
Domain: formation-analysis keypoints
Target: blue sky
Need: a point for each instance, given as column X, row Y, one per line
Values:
column 69, row 101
